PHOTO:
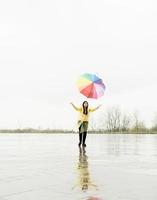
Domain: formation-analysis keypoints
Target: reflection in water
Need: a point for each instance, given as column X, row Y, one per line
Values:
column 94, row 198
column 84, row 178
column 124, row 144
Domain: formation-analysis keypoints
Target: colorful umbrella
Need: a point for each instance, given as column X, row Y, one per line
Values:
column 91, row 86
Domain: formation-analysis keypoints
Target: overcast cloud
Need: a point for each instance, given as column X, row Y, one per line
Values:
column 45, row 45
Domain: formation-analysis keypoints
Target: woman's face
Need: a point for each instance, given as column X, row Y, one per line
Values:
column 85, row 104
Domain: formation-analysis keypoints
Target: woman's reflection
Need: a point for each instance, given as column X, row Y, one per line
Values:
column 84, row 179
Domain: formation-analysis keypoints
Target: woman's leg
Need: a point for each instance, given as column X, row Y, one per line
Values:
column 84, row 138
column 80, row 136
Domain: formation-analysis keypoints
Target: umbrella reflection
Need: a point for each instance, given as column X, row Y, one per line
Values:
column 84, row 178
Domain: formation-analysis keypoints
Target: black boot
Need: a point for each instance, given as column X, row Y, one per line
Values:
column 84, row 139
column 80, row 139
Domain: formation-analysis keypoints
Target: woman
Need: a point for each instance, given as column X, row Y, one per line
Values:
column 83, row 121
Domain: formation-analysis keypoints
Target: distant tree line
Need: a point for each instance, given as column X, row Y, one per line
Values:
column 112, row 121
column 116, row 121
column 33, row 130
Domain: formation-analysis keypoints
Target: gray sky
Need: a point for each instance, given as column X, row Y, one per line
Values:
column 45, row 45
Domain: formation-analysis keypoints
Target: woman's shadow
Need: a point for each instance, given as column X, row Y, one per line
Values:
column 84, row 181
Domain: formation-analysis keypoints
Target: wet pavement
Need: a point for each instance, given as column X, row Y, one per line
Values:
column 51, row 166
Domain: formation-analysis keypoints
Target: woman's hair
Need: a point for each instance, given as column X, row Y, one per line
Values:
column 85, row 109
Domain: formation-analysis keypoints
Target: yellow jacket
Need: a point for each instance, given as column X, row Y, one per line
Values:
column 82, row 116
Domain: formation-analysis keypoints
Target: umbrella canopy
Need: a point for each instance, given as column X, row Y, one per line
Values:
column 91, row 86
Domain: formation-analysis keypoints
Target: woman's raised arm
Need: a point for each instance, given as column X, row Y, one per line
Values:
column 76, row 108
column 94, row 109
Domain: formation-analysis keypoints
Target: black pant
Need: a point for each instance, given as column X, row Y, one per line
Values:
column 82, row 136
